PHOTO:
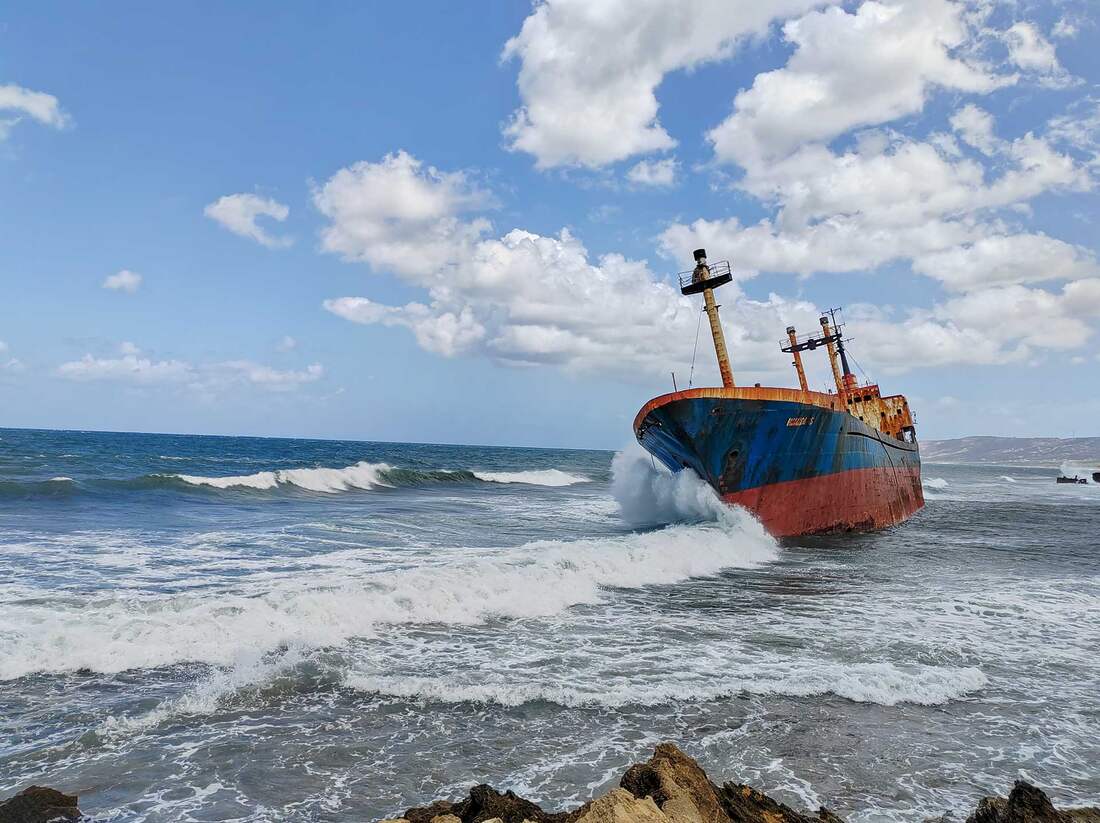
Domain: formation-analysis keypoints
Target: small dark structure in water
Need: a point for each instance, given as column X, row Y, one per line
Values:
column 1076, row 479
column 1096, row 477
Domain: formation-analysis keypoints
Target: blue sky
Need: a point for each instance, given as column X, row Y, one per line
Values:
column 930, row 165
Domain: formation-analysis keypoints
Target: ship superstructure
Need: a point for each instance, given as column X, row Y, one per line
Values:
column 802, row 461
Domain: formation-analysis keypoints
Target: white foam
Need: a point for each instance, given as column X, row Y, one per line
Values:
column 934, row 483
column 260, row 480
column 206, row 696
column 539, row 477
column 1008, row 479
column 122, row 630
column 362, row 475
column 649, row 494
column 881, row 683
column 61, row 480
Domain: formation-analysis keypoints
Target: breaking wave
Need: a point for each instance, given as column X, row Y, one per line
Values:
column 543, row 477
column 881, row 683
column 120, row 631
column 649, row 494
column 934, row 483
column 361, row 476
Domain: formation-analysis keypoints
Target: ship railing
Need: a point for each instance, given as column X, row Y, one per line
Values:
column 720, row 273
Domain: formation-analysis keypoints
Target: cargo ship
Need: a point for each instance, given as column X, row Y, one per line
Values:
column 802, row 461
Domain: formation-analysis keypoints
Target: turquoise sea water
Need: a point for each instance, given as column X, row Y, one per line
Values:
column 208, row 628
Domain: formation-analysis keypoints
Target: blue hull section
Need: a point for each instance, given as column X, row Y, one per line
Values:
column 741, row 444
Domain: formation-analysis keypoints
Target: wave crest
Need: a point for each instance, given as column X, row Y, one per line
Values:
column 362, row 475
column 649, row 494
column 121, row 631
column 535, row 477
column 882, row 683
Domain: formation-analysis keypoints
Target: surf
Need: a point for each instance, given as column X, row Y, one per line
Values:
column 119, row 630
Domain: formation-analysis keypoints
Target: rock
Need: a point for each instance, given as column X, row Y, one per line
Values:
column 678, row 785
column 483, row 804
column 744, row 804
column 620, row 806
column 670, row 787
column 38, row 804
column 683, row 792
column 1027, row 804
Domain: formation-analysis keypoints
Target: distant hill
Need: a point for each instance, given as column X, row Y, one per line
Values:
column 1014, row 451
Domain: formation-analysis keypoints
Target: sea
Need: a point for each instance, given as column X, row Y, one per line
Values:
column 244, row 629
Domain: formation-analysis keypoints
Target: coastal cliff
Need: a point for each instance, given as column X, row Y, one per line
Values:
column 670, row 787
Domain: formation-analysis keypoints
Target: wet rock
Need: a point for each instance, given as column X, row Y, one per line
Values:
column 620, row 806
column 483, row 804
column 678, row 785
column 683, row 792
column 744, row 804
column 670, row 787
column 38, row 804
column 1027, row 804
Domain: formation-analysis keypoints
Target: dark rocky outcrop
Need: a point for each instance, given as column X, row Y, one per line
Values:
column 38, row 804
column 485, row 803
column 1027, row 804
column 744, row 803
column 670, row 787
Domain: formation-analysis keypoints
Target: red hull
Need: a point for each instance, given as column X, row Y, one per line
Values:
column 855, row 500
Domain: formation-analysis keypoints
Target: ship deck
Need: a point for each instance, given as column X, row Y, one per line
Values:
column 815, row 398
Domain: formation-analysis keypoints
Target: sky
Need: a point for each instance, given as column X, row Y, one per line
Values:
column 461, row 222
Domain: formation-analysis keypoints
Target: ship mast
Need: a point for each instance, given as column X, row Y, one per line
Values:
column 845, row 380
column 797, row 352
column 832, row 339
column 706, row 278
column 830, row 342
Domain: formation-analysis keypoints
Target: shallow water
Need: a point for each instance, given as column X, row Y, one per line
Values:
column 340, row 630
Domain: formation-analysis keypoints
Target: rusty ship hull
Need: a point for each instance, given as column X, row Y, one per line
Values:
column 802, row 462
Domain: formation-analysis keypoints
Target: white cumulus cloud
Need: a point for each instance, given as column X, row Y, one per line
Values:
column 134, row 367
column 400, row 215
column 1032, row 52
column 589, row 70
column 239, row 214
column 129, row 368
column 266, row 376
column 21, row 102
column 654, row 172
column 849, row 69
column 124, row 280
column 522, row 298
